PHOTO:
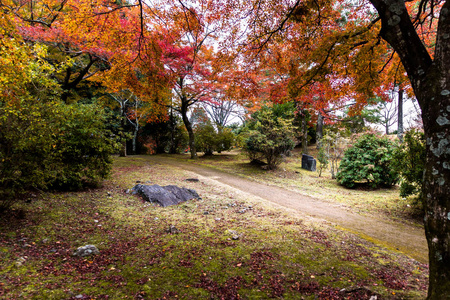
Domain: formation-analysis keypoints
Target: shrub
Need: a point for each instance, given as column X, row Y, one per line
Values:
column 269, row 136
column 52, row 145
column 209, row 140
column 225, row 139
column 205, row 138
column 45, row 142
column 322, row 157
column 410, row 163
column 370, row 161
column 84, row 147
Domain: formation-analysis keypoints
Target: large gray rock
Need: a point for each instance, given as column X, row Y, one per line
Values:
column 164, row 195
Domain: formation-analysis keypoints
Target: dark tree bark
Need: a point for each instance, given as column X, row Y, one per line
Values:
column 400, row 115
column 430, row 79
column 188, row 125
column 68, row 85
column 319, row 129
column 304, row 132
column 123, row 147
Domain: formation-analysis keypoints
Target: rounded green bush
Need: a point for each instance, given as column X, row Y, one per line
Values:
column 369, row 161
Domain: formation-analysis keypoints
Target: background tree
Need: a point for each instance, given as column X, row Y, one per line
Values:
column 333, row 146
column 270, row 136
column 188, row 31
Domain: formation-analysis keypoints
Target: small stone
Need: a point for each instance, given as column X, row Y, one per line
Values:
column 156, row 219
column 173, row 230
column 79, row 296
column 192, row 180
column 86, row 251
column 20, row 261
column 217, row 219
column 206, row 212
column 235, row 237
column 242, row 211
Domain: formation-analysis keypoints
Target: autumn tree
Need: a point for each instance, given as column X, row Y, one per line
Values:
column 187, row 31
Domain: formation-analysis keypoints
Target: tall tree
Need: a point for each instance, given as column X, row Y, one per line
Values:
column 187, row 31
column 430, row 79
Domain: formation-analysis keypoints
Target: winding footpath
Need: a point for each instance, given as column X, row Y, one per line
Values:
column 407, row 239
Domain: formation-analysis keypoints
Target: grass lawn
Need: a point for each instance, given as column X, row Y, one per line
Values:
column 228, row 245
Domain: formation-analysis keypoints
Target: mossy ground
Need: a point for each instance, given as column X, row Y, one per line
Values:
column 279, row 253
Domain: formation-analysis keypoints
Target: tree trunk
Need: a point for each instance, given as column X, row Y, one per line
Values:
column 400, row 115
column 436, row 190
column 304, row 133
column 135, row 138
column 123, row 149
column 173, row 148
column 319, row 130
column 430, row 79
column 189, row 129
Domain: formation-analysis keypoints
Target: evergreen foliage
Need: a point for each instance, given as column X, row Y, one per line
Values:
column 369, row 160
column 270, row 135
column 209, row 140
column 410, row 158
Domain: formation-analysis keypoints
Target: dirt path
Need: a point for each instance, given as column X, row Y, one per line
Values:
column 404, row 238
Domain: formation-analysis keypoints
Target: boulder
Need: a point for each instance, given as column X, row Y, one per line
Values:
column 164, row 195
